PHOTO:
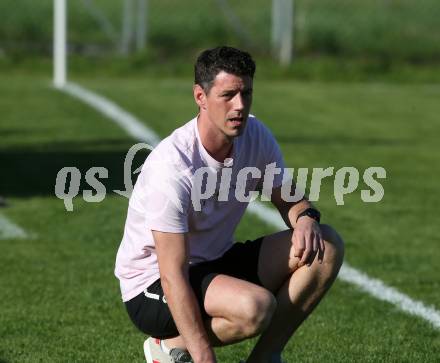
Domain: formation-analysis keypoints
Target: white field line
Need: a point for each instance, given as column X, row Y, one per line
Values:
column 125, row 120
column 372, row 286
column 380, row 291
column 9, row 229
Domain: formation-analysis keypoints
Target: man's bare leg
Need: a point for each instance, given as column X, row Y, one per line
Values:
column 239, row 308
column 222, row 331
column 300, row 292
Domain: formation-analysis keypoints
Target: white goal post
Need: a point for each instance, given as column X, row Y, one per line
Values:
column 282, row 30
column 133, row 34
column 59, row 43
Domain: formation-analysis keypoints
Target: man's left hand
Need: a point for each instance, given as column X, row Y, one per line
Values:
column 307, row 241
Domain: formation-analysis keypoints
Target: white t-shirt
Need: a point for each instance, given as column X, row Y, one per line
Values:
column 164, row 199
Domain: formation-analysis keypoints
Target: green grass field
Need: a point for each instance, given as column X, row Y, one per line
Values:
column 60, row 301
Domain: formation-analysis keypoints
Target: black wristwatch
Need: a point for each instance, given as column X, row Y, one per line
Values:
column 312, row 213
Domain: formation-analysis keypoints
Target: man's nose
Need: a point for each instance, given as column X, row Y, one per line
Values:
column 238, row 101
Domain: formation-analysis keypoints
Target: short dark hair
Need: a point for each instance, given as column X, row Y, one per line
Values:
column 212, row 61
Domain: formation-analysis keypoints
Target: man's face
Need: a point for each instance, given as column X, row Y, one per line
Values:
column 227, row 103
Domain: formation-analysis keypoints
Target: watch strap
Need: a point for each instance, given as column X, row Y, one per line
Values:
column 312, row 213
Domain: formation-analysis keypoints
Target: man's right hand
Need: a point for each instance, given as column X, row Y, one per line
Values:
column 206, row 357
column 172, row 255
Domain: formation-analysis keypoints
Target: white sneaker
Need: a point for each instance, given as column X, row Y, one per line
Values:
column 154, row 353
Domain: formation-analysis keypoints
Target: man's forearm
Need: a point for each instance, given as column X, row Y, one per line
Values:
column 186, row 313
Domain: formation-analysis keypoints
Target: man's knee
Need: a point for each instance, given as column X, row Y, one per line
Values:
column 257, row 312
column 334, row 247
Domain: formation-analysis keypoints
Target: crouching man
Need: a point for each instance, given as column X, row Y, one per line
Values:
column 183, row 280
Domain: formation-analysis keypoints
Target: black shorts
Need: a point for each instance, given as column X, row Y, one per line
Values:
column 149, row 310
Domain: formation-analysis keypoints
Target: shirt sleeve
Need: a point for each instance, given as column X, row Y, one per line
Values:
column 167, row 197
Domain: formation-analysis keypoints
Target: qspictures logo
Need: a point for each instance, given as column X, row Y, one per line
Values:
column 205, row 183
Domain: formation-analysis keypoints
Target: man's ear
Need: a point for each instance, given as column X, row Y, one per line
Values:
column 199, row 96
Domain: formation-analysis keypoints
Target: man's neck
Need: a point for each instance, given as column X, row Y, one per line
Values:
column 218, row 145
